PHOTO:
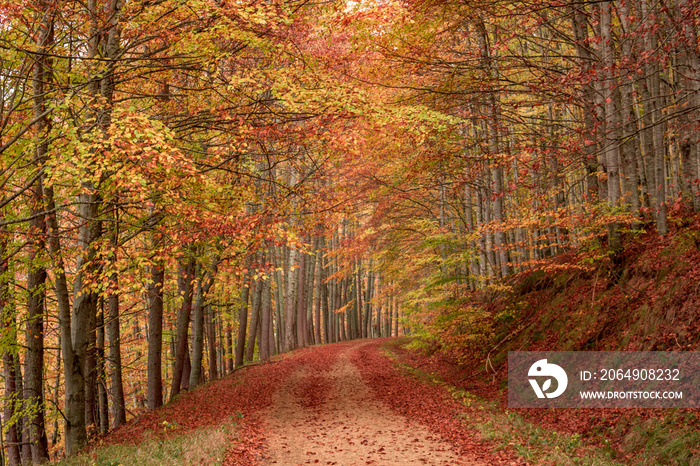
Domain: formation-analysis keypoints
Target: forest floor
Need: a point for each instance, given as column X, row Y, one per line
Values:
column 326, row 413
column 341, row 404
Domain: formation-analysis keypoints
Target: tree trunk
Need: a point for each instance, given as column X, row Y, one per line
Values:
column 254, row 318
column 368, row 300
column 36, row 271
column 396, row 318
column 290, row 307
column 266, row 344
column 309, row 335
column 203, row 285
column 101, row 378
column 77, row 328
column 9, row 338
column 317, row 292
column 612, row 122
column 91, row 377
column 185, row 288
column 580, row 28
column 243, row 317
column 34, row 359
column 301, row 301
column 211, row 331
column 229, row 348
column 155, row 334
column 23, row 424
column 113, row 330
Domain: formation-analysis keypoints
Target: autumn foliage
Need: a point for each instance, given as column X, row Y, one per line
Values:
column 189, row 186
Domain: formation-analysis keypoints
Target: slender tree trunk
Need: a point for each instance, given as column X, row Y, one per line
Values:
column 290, row 308
column 91, row 377
column 56, row 386
column 278, row 261
column 23, row 424
column 580, row 27
column 655, row 131
column 78, row 325
column 611, row 122
column 9, row 338
column 389, row 314
column 211, row 343
column 229, row 348
column 113, row 330
column 36, row 273
column 317, row 292
column 396, row 318
column 327, row 332
column 155, row 334
column 368, row 300
column 222, row 349
column 243, row 317
column 630, row 136
column 34, row 359
column 378, row 294
column 488, row 63
column 254, row 319
column 301, row 301
column 266, row 344
column 185, row 287
column 101, row 376
column 203, row 285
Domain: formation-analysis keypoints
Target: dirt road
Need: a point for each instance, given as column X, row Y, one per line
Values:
column 326, row 414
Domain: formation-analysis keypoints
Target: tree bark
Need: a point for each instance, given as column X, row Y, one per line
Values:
column 204, row 284
column 243, row 317
column 185, row 288
column 155, row 334
column 91, row 377
column 211, row 342
column 36, row 273
column 301, row 301
column 290, row 309
column 266, row 344
column 318, row 287
column 612, row 122
column 9, row 337
column 229, row 348
column 254, row 319
column 113, row 330
column 101, row 375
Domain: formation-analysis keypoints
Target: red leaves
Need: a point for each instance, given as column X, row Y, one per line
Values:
column 427, row 404
column 235, row 398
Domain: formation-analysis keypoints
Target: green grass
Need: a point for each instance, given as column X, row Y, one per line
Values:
column 667, row 442
column 533, row 443
column 202, row 446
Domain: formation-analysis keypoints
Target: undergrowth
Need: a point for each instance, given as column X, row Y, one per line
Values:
column 665, row 441
column 508, row 430
column 202, row 446
column 669, row 439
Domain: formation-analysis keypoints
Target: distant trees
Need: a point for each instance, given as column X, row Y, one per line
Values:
column 572, row 117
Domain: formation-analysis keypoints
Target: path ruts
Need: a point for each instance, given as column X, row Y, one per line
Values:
column 328, row 415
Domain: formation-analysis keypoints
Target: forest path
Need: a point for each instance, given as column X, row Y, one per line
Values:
column 325, row 413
